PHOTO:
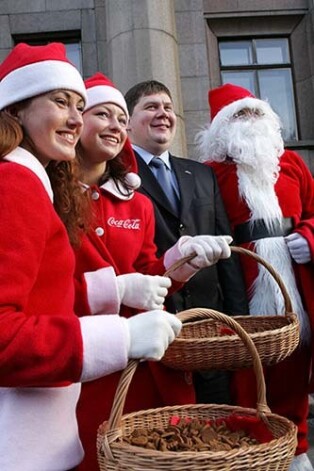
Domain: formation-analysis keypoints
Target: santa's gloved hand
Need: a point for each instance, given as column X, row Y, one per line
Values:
column 143, row 292
column 151, row 333
column 301, row 463
column 208, row 250
column 298, row 247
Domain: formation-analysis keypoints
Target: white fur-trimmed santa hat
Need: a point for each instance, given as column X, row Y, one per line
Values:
column 100, row 89
column 228, row 99
column 224, row 95
column 224, row 102
column 29, row 71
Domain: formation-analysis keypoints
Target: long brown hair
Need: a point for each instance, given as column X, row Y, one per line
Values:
column 115, row 169
column 70, row 202
column 11, row 133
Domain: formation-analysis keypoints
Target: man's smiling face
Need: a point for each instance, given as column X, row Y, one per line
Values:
column 152, row 125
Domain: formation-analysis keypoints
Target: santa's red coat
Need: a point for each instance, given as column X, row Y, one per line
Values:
column 295, row 191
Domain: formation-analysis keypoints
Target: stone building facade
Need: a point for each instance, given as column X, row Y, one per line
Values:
column 184, row 44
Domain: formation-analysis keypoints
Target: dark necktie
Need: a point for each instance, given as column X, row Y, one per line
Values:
column 162, row 173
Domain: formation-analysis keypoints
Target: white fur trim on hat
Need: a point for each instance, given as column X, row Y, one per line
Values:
column 105, row 94
column 38, row 78
column 206, row 139
column 249, row 102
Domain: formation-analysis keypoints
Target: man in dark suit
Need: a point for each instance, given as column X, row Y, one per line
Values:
column 187, row 201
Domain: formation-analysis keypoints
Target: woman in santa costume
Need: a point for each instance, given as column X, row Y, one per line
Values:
column 46, row 350
column 119, row 252
column 268, row 193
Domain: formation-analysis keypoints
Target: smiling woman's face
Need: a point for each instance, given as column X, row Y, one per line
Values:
column 53, row 123
column 104, row 133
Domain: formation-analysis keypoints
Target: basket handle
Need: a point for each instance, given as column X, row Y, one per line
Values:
column 258, row 259
column 128, row 372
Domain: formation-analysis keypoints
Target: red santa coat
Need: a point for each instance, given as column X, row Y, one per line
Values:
column 41, row 339
column 121, row 241
column 295, row 192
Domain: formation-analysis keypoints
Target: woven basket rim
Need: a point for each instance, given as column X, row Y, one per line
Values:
column 225, row 407
column 128, row 448
column 290, row 322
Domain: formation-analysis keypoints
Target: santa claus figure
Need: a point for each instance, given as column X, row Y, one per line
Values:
column 268, row 193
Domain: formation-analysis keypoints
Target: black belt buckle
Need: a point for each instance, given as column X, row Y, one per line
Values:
column 254, row 230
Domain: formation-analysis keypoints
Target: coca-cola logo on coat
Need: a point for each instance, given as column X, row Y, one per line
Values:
column 124, row 223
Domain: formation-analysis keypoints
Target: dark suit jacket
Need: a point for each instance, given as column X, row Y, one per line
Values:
column 221, row 286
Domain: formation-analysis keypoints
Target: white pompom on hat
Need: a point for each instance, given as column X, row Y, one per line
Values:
column 133, row 180
column 100, row 89
column 29, row 71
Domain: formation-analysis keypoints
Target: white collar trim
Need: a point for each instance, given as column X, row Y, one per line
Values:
column 111, row 186
column 23, row 157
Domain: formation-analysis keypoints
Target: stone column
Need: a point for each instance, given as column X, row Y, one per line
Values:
column 142, row 45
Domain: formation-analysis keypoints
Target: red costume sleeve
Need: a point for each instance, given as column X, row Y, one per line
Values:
column 40, row 340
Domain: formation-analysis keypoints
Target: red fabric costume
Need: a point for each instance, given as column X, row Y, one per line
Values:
column 125, row 243
column 289, row 395
column 46, row 351
column 287, row 383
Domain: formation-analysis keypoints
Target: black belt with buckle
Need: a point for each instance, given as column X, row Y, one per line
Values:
column 254, row 230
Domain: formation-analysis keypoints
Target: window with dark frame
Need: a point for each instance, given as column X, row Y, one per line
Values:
column 263, row 66
column 71, row 40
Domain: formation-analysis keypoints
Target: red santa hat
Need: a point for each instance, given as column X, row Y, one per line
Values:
column 224, row 102
column 100, row 89
column 132, row 179
column 228, row 99
column 29, row 71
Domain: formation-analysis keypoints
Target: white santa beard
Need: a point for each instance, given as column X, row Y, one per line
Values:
column 266, row 296
column 240, row 138
column 257, row 187
column 259, row 196
column 254, row 150
column 254, row 142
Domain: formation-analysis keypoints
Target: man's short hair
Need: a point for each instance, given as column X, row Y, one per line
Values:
column 149, row 87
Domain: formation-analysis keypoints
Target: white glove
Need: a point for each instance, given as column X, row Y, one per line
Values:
column 208, row 249
column 298, row 247
column 143, row 292
column 151, row 333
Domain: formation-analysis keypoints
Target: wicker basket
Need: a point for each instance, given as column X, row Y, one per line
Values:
column 114, row 455
column 204, row 345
